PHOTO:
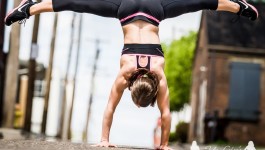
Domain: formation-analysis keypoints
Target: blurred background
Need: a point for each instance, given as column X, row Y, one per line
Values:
column 57, row 70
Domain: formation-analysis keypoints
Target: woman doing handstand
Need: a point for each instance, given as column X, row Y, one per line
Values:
column 142, row 60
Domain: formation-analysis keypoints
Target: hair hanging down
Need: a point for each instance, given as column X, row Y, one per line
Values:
column 144, row 87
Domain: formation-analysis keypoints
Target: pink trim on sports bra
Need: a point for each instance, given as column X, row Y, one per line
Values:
column 140, row 14
column 138, row 54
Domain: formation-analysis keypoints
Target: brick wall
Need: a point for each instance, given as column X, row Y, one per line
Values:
column 218, row 76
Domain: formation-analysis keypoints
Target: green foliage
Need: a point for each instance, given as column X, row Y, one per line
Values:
column 220, row 142
column 172, row 137
column 182, row 132
column 178, row 69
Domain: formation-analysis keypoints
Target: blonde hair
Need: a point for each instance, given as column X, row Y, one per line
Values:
column 144, row 87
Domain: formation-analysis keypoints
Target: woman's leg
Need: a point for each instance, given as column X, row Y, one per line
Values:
column 226, row 5
column 240, row 7
column 105, row 8
column 173, row 8
column 44, row 6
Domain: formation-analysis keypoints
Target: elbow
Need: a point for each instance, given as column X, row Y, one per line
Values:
column 109, row 110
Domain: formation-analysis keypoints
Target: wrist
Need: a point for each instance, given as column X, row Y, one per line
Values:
column 104, row 140
column 163, row 145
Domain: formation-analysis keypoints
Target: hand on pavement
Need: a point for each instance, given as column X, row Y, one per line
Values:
column 163, row 148
column 104, row 144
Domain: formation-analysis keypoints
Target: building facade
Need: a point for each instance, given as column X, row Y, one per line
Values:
column 228, row 87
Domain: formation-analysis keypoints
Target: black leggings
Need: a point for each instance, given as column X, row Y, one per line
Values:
column 159, row 9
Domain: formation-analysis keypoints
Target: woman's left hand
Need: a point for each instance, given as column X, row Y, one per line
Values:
column 164, row 148
column 104, row 144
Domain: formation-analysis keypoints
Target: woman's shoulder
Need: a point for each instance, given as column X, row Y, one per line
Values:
column 157, row 66
column 157, row 62
column 127, row 67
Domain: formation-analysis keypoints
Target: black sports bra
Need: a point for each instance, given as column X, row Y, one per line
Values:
column 147, row 65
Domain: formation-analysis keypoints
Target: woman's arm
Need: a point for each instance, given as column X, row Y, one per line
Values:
column 163, row 105
column 115, row 95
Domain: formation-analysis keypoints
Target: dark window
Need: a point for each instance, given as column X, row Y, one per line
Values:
column 244, row 91
column 39, row 90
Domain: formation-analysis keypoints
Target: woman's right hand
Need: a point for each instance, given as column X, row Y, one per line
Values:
column 162, row 147
column 104, row 144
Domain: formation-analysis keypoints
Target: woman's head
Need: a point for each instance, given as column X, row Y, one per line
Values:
column 144, row 87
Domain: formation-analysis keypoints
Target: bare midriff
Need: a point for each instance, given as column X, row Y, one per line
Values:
column 140, row 32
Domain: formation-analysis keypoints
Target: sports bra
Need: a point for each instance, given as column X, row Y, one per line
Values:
column 147, row 65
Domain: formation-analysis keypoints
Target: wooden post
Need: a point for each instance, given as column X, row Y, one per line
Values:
column 75, row 74
column 23, row 97
column 31, row 76
column 92, row 84
column 3, row 4
column 64, row 127
column 11, row 75
column 48, row 76
column 32, row 73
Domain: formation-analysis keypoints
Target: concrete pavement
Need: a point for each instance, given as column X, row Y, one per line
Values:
column 15, row 140
column 48, row 145
column 32, row 144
